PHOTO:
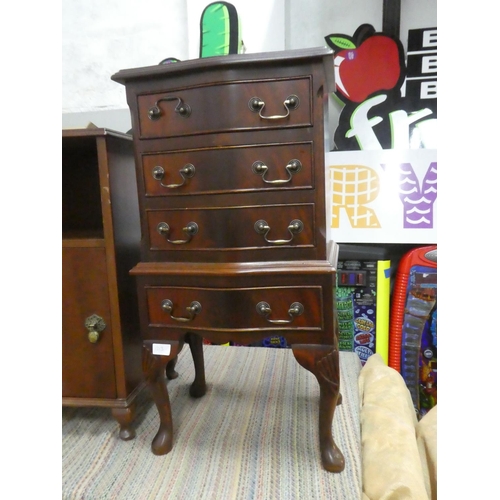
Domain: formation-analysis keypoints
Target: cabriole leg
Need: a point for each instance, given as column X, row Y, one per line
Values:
column 154, row 367
column 323, row 362
column 198, row 387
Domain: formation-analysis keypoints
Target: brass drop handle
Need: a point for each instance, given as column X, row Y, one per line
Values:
column 183, row 109
column 95, row 325
column 295, row 227
column 191, row 229
column 193, row 309
column 260, row 168
column 256, row 104
column 186, row 172
column 296, row 309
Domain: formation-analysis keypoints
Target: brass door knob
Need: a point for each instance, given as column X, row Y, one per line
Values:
column 95, row 325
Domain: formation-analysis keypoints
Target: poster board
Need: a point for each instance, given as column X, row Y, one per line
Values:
column 384, row 196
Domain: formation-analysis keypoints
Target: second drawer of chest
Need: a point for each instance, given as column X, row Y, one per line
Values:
column 232, row 228
column 232, row 309
column 227, row 169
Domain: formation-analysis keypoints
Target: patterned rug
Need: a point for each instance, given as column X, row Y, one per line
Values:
column 254, row 435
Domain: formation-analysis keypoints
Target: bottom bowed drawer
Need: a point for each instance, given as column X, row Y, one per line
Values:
column 246, row 309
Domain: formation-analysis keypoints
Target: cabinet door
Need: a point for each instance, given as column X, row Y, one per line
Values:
column 87, row 368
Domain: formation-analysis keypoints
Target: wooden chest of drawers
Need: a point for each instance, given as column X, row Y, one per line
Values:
column 230, row 169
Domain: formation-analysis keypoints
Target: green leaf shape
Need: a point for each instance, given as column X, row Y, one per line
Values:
column 340, row 43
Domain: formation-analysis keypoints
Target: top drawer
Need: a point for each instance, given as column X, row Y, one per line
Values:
column 234, row 106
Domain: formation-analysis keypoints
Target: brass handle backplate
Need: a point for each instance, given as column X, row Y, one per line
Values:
column 295, row 227
column 193, row 309
column 95, row 325
column 256, row 104
column 292, row 168
column 190, row 230
column 186, row 172
column 296, row 309
column 183, row 109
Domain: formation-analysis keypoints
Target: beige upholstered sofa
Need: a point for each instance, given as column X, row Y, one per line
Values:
column 399, row 453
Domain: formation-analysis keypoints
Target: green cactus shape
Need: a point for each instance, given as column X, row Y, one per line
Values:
column 219, row 30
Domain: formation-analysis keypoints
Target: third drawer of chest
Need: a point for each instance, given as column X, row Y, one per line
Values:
column 215, row 228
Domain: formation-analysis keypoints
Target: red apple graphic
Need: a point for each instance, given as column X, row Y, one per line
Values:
column 373, row 66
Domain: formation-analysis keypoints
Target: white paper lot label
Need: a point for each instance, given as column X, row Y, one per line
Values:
column 162, row 349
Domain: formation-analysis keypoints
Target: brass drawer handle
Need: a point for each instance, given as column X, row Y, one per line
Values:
column 182, row 108
column 191, row 229
column 292, row 168
column 193, row 309
column 187, row 171
column 262, row 227
column 95, row 325
column 256, row 104
column 296, row 309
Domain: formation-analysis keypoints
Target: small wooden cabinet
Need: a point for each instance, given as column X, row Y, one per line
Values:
column 231, row 182
column 101, row 343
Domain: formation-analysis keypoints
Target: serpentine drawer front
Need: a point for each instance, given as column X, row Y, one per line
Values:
column 269, row 308
column 238, row 105
column 231, row 180
column 229, row 169
column 216, row 228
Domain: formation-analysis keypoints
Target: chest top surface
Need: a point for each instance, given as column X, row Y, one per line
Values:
column 231, row 62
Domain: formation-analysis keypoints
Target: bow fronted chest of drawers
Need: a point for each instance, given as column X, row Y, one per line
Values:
column 230, row 168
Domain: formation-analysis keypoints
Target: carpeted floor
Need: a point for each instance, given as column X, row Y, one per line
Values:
column 254, row 435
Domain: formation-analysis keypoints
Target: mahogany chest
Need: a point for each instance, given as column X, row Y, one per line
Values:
column 229, row 156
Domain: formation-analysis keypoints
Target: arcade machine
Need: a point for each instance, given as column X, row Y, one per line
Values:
column 413, row 326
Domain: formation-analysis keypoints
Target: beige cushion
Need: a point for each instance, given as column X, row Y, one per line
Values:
column 427, row 446
column 392, row 468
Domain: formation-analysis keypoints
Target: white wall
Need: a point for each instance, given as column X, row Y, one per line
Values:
column 309, row 21
column 417, row 14
column 101, row 38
